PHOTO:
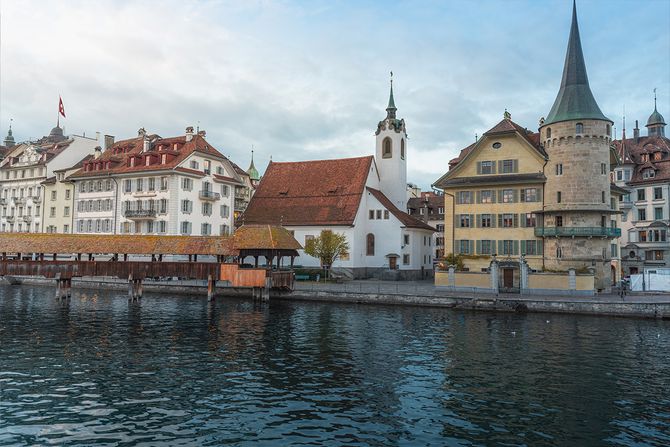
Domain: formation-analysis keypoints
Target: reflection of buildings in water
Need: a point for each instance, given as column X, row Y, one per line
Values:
column 234, row 331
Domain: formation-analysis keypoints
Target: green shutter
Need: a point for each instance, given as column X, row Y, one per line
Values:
column 515, row 166
column 479, row 167
column 472, row 221
column 522, row 195
column 500, row 196
column 479, row 197
column 493, row 220
column 472, row 247
column 493, row 168
column 500, row 220
column 522, row 220
column 500, row 166
column 523, row 247
column 539, row 194
column 457, row 246
column 478, row 222
column 516, row 247
column 500, row 248
column 493, row 196
column 515, row 195
column 479, row 247
column 515, row 220
column 539, row 244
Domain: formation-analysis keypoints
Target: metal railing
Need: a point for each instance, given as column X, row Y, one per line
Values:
column 137, row 214
column 578, row 231
column 209, row 195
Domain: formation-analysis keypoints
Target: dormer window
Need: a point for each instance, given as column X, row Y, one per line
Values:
column 387, row 148
column 658, row 156
column 645, row 158
column 579, row 128
column 648, row 173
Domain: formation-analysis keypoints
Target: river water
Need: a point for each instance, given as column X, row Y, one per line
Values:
column 175, row 370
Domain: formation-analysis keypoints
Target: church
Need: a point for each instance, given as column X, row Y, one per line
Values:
column 364, row 198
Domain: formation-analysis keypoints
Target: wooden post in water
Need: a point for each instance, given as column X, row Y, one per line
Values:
column 138, row 289
column 210, row 288
column 131, row 288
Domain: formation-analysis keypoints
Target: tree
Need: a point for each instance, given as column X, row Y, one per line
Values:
column 327, row 247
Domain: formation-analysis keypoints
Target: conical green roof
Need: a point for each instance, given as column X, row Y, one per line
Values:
column 574, row 100
column 655, row 118
column 252, row 171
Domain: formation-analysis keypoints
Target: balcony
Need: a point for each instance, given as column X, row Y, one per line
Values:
column 578, row 232
column 10, row 219
column 139, row 214
column 20, row 200
column 241, row 193
column 240, row 205
column 209, row 195
column 35, row 199
column 27, row 218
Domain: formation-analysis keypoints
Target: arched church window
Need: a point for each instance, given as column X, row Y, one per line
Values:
column 387, row 149
column 370, row 244
column 548, row 132
column 402, row 148
column 579, row 128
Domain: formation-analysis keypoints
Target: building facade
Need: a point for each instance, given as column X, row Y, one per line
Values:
column 644, row 171
column 429, row 207
column 153, row 185
column 24, row 169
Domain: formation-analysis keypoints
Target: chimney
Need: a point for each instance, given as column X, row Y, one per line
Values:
column 636, row 133
column 146, row 145
column 189, row 133
column 97, row 152
column 109, row 141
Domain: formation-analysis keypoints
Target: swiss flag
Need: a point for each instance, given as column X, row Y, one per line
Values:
column 61, row 109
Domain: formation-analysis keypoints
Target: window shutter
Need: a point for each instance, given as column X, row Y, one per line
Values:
column 515, row 195
column 472, row 220
column 523, row 247
column 500, row 166
column 515, row 219
column 516, row 247
column 493, row 220
column 522, row 220
column 500, row 222
column 479, row 167
column 479, row 197
column 515, row 166
column 472, row 247
column 493, row 168
column 478, row 222
column 539, row 194
column 522, row 195
column 457, row 246
column 500, row 196
column 458, row 220
column 500, row 248
column 539, row 246
column 493, row 196
column 479, row 247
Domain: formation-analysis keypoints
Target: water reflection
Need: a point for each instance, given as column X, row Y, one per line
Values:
column 179, row 369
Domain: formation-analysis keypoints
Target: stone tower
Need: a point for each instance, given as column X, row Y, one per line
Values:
column 576, row 135
column 391, row 155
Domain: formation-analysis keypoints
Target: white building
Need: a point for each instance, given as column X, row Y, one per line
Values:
column 363, row 198
column 154, row 185
column 23, row 170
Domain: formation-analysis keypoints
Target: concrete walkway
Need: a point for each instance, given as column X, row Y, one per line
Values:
column 428, row 289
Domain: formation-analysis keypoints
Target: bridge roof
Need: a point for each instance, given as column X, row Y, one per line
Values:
column 261, row 237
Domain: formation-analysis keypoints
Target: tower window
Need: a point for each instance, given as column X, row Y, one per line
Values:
column 558, row 197
column 608, row 130
column 559, row 169
column 387, row 148
column 548, row 132
column 402, row 148
column 579, row 128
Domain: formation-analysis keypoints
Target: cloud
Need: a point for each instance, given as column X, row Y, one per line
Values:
column 310, row 80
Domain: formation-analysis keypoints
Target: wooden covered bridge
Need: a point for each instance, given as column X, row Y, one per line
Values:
column 136, row 257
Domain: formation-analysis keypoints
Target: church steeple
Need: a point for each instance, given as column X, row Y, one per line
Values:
column 9, row 139
column 252, row 171
column 656, row 123
column 391, row 108
column 574, row 100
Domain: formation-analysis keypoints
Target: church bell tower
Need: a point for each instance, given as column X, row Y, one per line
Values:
column 391, row 155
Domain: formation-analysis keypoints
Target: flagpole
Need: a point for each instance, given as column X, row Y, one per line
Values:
column 58, row 113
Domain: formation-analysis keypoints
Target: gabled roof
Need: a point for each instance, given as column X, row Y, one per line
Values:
column 636, row 148
column 119, row 153
column 404, row 218
column 433, row 202
column 320, row 192
column 574, row 100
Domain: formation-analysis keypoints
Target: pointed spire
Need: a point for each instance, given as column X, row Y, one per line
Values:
column 655, row 119
column 391, row 108
column 574, row 100
column 9, row 139
column 252, row 171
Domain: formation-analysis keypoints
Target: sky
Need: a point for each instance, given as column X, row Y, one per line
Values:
column 305, row 80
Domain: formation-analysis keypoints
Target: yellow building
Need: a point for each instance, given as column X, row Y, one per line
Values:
column 492, row 192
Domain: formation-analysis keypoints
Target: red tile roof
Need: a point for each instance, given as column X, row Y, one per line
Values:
column 434, row 202
column 119, row 154
column 635, row 149
column 321, row 192
column 407, row 220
